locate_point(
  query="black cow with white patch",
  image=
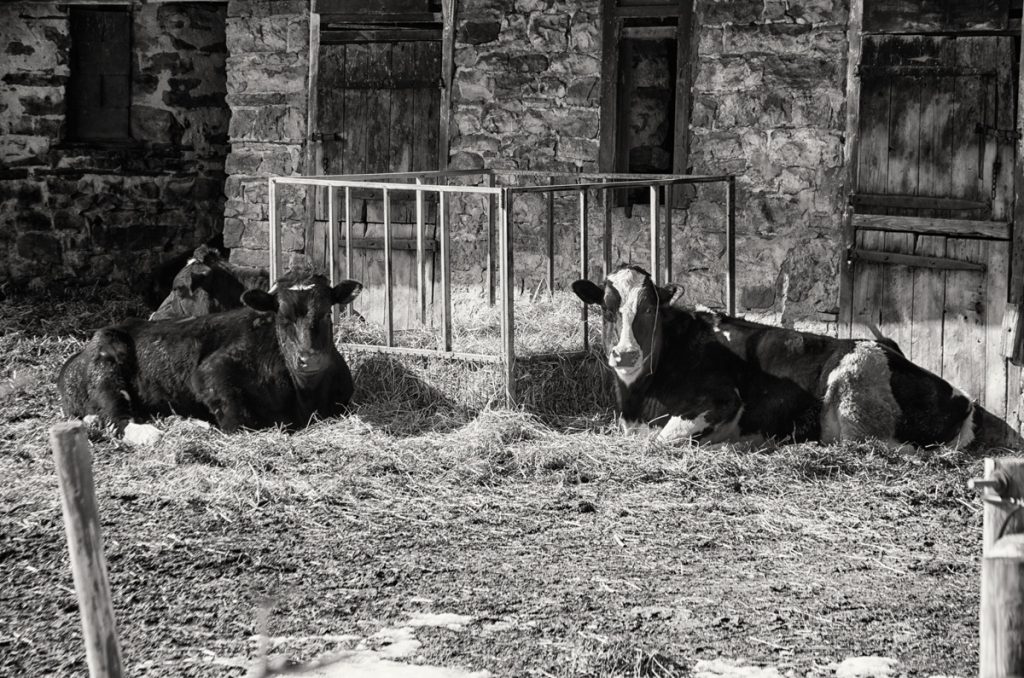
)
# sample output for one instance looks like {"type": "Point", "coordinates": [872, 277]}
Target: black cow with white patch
{"type": "Point", "coordinates": [272, 362]}
{"type": "Point", "coordinates": [710, 377]}
{"type": "Point", "coordinates": [208, 284]}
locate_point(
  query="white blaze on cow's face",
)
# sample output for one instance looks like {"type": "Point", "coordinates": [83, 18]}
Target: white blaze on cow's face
{"type": "Point", "coordinates": [629, 305]}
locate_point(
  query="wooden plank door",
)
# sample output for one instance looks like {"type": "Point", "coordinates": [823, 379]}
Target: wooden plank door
{"type": "Point", "coordinates": [378, 110]}
{"type": "Point", "coordinates": [932, 203]}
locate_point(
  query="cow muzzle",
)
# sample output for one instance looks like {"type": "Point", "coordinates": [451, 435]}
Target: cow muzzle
{"type": "Point", "coordinates": [624, 358]}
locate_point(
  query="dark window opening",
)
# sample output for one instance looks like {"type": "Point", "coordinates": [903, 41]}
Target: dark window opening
{"type": "Point", "coordinates": [645, 91]}
{"type": "Point", "coordinates": [99, 88]}
{"type": "Point", "coordinates": [647, 97]}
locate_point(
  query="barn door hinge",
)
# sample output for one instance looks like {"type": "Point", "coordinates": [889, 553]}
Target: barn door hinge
{"type": "Point", "coordinates": [992, 132]}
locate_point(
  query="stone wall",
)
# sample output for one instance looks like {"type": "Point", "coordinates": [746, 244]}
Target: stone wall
{"type": "Point", "coordinates": [268, 73]}
{"type": "Point", "coordinates": [101, 212]}
{"type": "Point", "coordinates": [768, 99]}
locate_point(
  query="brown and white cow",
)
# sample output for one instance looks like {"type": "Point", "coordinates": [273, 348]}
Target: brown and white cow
{"type": "Point", "coordinates": [701, 375]}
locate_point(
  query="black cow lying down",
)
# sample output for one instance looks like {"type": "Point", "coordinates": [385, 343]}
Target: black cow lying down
{"type": "Point", "coordinates": [273, 362]}
{"type": "Point", "coordinates": [711, 377]}
{"type": "Point", "coordinates": [208, 284]}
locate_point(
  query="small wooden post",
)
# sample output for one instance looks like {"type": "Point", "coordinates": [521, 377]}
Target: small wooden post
{"type": "Point", "coordinates": [85, 544]}
{"type": "Point", "coordinates": [1002, 609]}
{"type": "Point", "coordinates": [1005, 477]}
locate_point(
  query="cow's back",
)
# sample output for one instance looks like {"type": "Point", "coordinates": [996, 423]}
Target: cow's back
{"type": "Point", "coordinates": [933, 411]}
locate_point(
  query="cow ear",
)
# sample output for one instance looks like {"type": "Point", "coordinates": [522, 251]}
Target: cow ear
{"type": "Point", "coordinates": [261, 301]}
{"type": "Point", "coordinates": [346, 291]}
{"type": "Point", "coordinates": [588, 292]}
{"type": "Point", "coordinates": [671, 294]}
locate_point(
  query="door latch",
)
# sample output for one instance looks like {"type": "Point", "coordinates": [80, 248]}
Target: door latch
{"type": "Point", "coordinates": [991, 132]}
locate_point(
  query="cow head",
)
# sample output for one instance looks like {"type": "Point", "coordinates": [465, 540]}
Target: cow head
{"type": "Point", "coordinates": [202, 287]}
{"type": "Point", "coordinates": [633, 319]}
{"type": "Point", "coordinates": [302, 315]}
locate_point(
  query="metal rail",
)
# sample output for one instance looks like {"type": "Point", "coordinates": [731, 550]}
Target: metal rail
{"type": "Point", "coordinates": [500, 230]}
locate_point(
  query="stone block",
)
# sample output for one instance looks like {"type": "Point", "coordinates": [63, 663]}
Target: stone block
{"type": "Point", "coordinates": [266, 8]}
{"type": "Point", "coordinates": [233, 229]}
{"type": "Point", "coordinates": [275, 73]}
{"type": "Point", "coordinates": [728, 74]}
{"type": "Point", "coordinates": [478, 31]}
{"type": "Point", "coordinates": [725, 12]}
{"type": "Point", "coordinates": [242, 256]}
{"type": "Point", "coordinates": [528, 63]}
{"type": "Point", "coordinates": [584, 92]}
{"type": "Point", "coordinates": [43, 248]}
{"type": "Point", "coordinates": [579, 150]}
{"type": "Point", "coordinates": [579, 65]}
{"type": "Point", "coordinates": [548, 32]}
{"type": "Point", "coordinates": [585, 34]}
{"type": "Point", "coordinates": [473, 85]}
{"type": "Point", "coordinates": [267, 123]}
{"type": "Point", "coordinates": [463, 160]}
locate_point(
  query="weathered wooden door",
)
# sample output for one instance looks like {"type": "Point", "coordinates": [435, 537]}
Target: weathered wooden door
{"type": "Point", "coordinates": [933, 203]}
{"type": "Point", "coordinates": [378, 106]}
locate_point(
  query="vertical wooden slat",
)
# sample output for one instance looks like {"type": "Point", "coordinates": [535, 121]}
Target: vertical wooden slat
{"type": "Point", "coordinates": [963, 339]}
{"type": "Point", "coordinates": [275, 231]}
{"type": "Point", "coordinates": [551, 239]}
{"type": "Point", "coordinates": [505, 226]}
{"type": "Point", "coordinates": [896, 293]}
{"type": "Point", "coordinates": [448, 8]}
{"type": "Point", "coordinates": [349, 273]}
{"type": "Point", "coordinates": [925, 346]}
{"type": "Point", "coordinates": [490, 242]}
{"type": "Point", "coordinates": [389, 306]}
{"type": "Point", "coordinates": [313, 151]}
{"type": "Point", "coordinates": [655, 236]}
{"type": "Point", "coordinates": [606, 201]}
{"type": "Point", "coordinates": [850, 158]}
{"type": "Point", "coordinates": [1017, 259]}
{"type": "Point", "coordinates": [667, 276]}
{"type": "Point", "coordinates": [584, 260]}
{"type": "Point", "coordinates": [867, 287]}
{"type": "Point", "coordinates": [730, 245]}
{"type": "Point", "coordinates": [685, 47]}
{"type": "Point", "coordinates": [332, 244]}
{"type": "Point", "coordinates": [73, 462]}
{"type": "Point", "coordinates": [936, 132]}
{"type": "Point", "coordinates": [446, 279]}
{"type": "Point", "coordinates": [997, 258]}
{"type": "Point", "coordinates": [610, 29]}
{"type": "Point", "coordinates": [421, 290]}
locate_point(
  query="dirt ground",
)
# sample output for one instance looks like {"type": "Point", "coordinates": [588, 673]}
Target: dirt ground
{"type": "Point", "coordinates": [562, 548]}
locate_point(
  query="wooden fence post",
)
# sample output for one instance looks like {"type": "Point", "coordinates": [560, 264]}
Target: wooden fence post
{"type": "Point", "coordinates": [73, 458]}
{"type": "Point", "coordinates": [1001, 629]}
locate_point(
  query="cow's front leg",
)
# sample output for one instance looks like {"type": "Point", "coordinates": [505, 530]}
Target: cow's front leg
{"type": "Point", "coordinates": [214, 385]}
{"type": "Point", "coordinates": [715, 420]}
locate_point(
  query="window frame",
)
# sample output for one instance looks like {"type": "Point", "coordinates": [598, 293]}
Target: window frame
{"type": "Point", "coordinates": [612, 157]}
{"type": "Point", "coordinates": [72, 136]}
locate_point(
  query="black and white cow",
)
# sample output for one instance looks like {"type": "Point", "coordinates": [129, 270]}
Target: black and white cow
{"type": "Point", "coordinates": [273, 362]}
{"type": "Point", "coordinates": [711, 377]}
{"type": "Point", "coordinates": [208, 284]}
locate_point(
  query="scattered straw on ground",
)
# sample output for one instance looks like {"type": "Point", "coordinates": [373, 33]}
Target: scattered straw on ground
{"type": "Point", "coordinates": [574, 550]}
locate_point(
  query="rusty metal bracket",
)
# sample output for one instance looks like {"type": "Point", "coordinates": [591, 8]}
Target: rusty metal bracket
{"type": "Point", "coordinates": [1008, 136]}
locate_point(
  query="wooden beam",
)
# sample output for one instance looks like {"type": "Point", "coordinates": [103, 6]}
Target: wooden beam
{"type": "Point", "coordinates": [915, 202]}
{"type": "Point", "coordinates": [685, 58]}
{"type": "Point", "coordinates": [649, 11]}
{"type": "Point", "coordinates": [650, 32]}
{"type": "Point", "coordinates": [343, 36]}
{"type": "Point", "coordinates": [313, 149]}
{"type": "Point", "coordinates": [915, 260]}
{"type": "Point", "coordinates": [610, 30]}
{"type": "Point", "coordinates": [448, 8]}
{"type": "Point", "coordinates": [343, 19]}
{"type": "Point", "coordinates": [1017, 246]}
{"type": "Point", "coordinates": [957, 228]}
{"type": "Point", "coordinates": [72, 457]}
{"type": "Point", "coordinates": [429, 244]}
{"type": "Point", "coordinates": [850, 150]}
